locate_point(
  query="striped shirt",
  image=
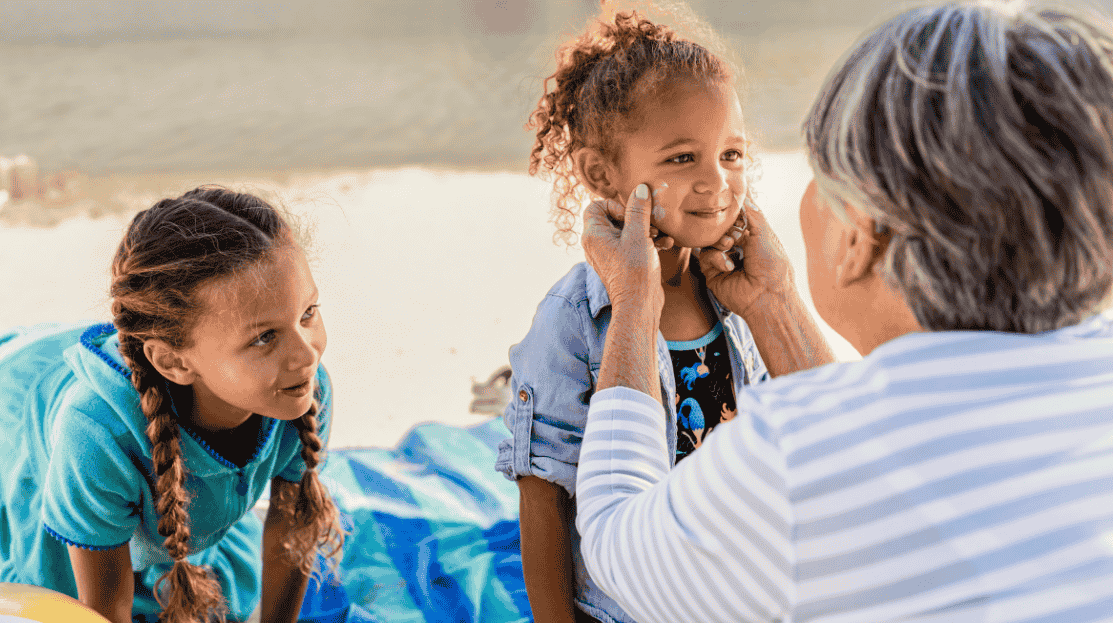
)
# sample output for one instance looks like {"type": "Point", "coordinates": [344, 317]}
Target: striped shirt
{"type": "Point", "coordinates": [950, 476]}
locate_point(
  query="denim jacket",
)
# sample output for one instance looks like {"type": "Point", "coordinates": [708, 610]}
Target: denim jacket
{"type": "Point", "coordinates": [555, 370]}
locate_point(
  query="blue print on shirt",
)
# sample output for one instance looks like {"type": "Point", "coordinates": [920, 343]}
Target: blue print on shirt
{"type": "Point", "coordinates": [691, 373]}
{"type": "Point", "coordinates": [691, 419]}
{"type": "Point", "coordinates": [704, 388]}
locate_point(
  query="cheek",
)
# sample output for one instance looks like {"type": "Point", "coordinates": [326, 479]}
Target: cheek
{"type": "Point", "coordinates": [667, 197]}
{"type": "Point", "coordinates": [813, 246]}
{"type": "Point", "coordinates": [736, 181]}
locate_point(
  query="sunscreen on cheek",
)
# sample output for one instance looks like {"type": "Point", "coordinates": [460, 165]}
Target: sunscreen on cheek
{"type": "Point", "coordinates": [665, 201]}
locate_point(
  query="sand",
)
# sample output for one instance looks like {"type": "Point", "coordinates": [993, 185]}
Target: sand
{"type": "Point", "coordinates": [427, 277]}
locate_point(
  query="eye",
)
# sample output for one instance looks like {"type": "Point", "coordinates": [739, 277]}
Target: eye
{"type": "Point", "coordinates": [264, 338]}
{"type": "Point", "coordinates": [310, 312]}
{"type": "Point", "coordinates": [682, 159]}
{"type": "Point", "coordinates": [732, 155]}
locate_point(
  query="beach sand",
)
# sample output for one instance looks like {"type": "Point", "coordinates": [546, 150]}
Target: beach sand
{"type": "Point", "coordinates": [385, 127]}
{"type": "Point", "coordinates": [427, 277]}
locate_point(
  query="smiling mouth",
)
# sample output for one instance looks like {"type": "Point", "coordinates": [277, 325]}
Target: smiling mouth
{"type": "Point", "coordinates": [300, 389]}
{"type": "Point", "coordinates": [707, 213]}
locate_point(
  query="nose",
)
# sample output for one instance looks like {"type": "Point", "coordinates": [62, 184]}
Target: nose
{"type": "Point", "coordinates": [712, 179]}
{"type": "Point", "coordinates": [304, 351]}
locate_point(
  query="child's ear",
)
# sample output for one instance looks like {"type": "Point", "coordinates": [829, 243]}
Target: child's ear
{"type": "Point", "coordinates": [596, 172]}
{"type": "Point", "coordinates": [168, 362]}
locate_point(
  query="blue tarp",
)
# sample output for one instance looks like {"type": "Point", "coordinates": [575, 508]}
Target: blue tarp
{"type": "Point", "coordinates": [433, 531]}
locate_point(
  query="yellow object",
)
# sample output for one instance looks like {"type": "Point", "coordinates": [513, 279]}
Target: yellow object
{"type": "Point", "coordinates": [21, 603]}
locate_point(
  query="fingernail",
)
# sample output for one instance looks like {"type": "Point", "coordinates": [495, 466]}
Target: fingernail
{"type": "Point", "coordinates": [730, 264]}
{"type": "Point", "coordinates": [642, 191]}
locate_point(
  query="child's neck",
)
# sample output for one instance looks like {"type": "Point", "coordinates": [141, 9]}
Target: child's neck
{"type": "Point", "coordinates": [676, 269]}
{"type": "Point", "coordinates": [687, 313]}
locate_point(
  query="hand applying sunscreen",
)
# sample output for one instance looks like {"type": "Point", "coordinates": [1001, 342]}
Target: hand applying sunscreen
{"type": "Point", "coordinates": [661, 240]}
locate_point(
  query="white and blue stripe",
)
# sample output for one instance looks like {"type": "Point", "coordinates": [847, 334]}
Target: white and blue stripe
{"type": "Point", "coordinates": [953, 476]}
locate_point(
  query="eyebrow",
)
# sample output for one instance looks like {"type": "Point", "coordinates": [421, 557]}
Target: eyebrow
{"type": "Point", "coordinates": [737, 138]}
{"type": "Point", "coordinates": [256, 326]}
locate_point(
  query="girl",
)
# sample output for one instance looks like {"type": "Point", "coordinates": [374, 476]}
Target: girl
{"type": "Point", "coordinates": [141, 445]}
{"type": "Point", "coordinates": [689, 143]}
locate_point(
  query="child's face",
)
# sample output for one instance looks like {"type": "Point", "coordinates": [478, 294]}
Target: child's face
{"type": "Point", "coordinates": [692, 138]}
{"type": "Point", "coordinates": [257, 346]}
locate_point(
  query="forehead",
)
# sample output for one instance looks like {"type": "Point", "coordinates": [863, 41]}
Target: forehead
{"type": "Point", "coordinates": [269, 288]}
{"type": "Point", "coordinates": [689, 109]}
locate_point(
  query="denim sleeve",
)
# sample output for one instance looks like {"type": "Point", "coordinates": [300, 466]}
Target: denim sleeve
{"type": "Point", "coordinates": [552, 387]}
{"type": "Point", "coordinates": [756, 370]}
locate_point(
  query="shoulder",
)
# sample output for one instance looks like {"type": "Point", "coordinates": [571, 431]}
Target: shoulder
{"type": "Point", "coordinates": [83, 416]}
{"type": "Point", "coordinates": [580, 292]}
{"type": "Point", "coordinates": [569, 319]}
{"type": "Point", "coordinates": [324, 383]}
{"type": "Point", "coordinates": [790, 402]}
{"type": "Point", "coordinates": [579, 287]}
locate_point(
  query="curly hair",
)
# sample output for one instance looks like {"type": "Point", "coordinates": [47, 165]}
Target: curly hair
{"type": "Point", "coordinates": [981, 135]}
{"type": "Point", "coordinates": [592, 96]}
{"type": "Point", "coordinates": [168, 252]}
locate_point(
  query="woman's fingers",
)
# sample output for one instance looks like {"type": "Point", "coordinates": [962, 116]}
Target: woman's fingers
{"type": "Point", "coordinates": [717, 260]}
{"type": "Point", "coordinates": [734, 234]}
{"type": "Point", "coordinates": [637, 212]}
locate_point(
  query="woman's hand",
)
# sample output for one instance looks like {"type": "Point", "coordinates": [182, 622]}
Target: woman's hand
{"type": "Point", "coordinates": [766, 269]}
{"type": "Point", "coordinates": [618, 245]}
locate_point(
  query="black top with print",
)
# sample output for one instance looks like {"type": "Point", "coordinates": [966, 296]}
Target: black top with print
{"type": "Point", "coordinates": [704, 388]}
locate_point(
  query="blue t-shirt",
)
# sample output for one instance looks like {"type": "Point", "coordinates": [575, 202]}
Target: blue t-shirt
{"type": "Point", "coordinates": [84, 473]}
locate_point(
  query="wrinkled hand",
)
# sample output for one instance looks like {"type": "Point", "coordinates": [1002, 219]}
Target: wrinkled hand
{"type": "Point", "coordinates": [765, 269]}
{"type": "Point", "coordinates": [618, 244]}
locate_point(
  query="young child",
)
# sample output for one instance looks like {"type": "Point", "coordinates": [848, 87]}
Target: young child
{"type": "Point", "coordinates": [141, 446]}
{"type": "Point", "coordinates": [630, 102]}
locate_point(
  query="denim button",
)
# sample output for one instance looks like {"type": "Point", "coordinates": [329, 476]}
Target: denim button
{"type": "Point", "coordinates": [523, 396]}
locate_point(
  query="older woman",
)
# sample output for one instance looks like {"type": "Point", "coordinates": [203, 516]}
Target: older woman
{"type": "Point", "coordinates": [959, 233]}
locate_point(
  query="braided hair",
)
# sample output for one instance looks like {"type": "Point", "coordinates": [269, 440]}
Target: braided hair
{"type": "Point", "coordinates": [592, 96]}
{"type": "Point", "coordinates": [168, 252]}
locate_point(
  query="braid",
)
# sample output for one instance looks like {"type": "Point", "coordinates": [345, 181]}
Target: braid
{"type": "Point", "coordinates": [314, 517]}
{"type": "Point", "coordinates": [193, 594]}
{"type": "Point", "coordinates": [168, 253]}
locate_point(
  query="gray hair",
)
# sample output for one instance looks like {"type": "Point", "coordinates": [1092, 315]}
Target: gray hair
{"type": "Point", "coordinates": [981, 135]}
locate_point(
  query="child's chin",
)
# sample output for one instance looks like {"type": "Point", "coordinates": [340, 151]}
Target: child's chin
{"type": "Point", "coordinates": [696, 241]}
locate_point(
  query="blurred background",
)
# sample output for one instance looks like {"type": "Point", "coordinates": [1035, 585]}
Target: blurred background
{"type": "Point", "coordinates": [393, 131]}
{"type": "Point", "coordinates": [183, 85]}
